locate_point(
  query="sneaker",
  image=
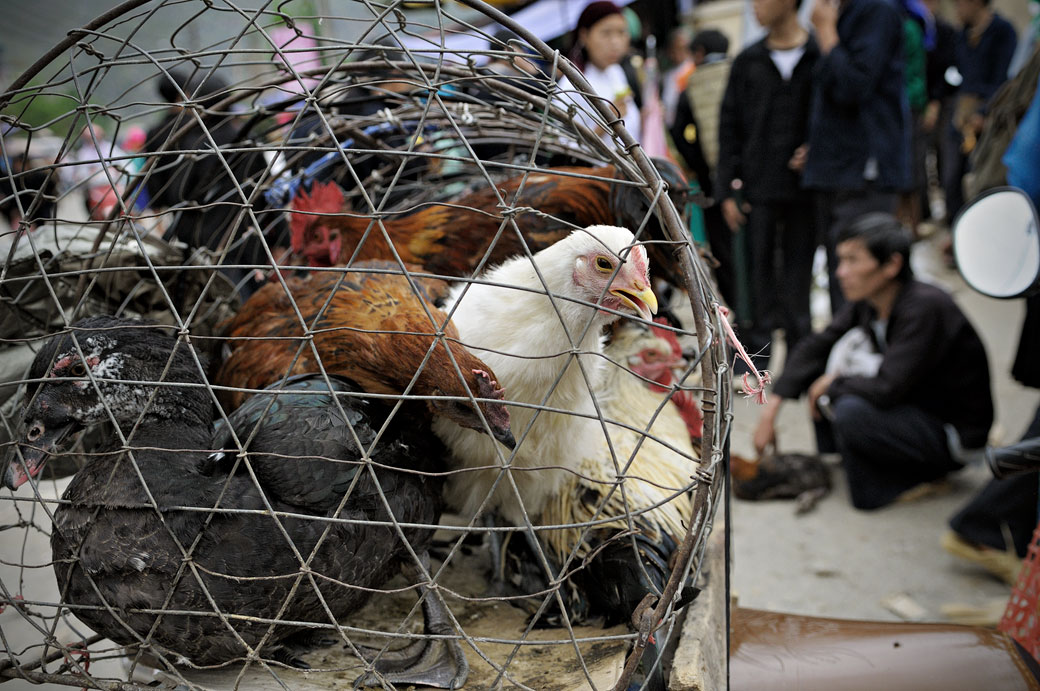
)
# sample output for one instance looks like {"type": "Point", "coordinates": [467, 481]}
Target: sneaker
{"type": "Point", "coordinates": [926, 490]}
{"type": "Point", "coordinates": [1005, 565]}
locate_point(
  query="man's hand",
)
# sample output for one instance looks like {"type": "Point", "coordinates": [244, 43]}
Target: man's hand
{"type": "Point", "coordinates": [825, 21]}
{"type": "Point", "coordinates": [765, 431]}
{"type": "Point", "coordinates": [734, 216]}
{"type": "Point", "coordinates": [798, 158]}
{"type": "Point", "coordinates": [930, 118]}
{"type": "Point", "coordinates": [817, 389]}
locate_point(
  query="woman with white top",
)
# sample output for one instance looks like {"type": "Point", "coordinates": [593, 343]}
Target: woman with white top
{"type": "Point", "coordinates": [601, 41]}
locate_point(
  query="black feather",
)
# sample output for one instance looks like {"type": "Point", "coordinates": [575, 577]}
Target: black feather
{"type": "Point", "coordinates": [116, 554]}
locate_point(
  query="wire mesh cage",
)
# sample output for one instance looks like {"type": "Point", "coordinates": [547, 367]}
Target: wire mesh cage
{"type": "Point", "coordinates": [329, 355]}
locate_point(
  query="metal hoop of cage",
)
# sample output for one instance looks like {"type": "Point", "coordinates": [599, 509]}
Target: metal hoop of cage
{"type": "Point", "coordinates": [296, 391]}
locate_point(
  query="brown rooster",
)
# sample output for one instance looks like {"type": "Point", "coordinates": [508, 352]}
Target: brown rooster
{"type": "Point", "coordinates": [371, 327]}
{"type": "Point", "coordinates": [451, 238]}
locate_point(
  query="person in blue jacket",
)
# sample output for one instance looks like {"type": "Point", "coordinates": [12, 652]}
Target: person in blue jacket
{"type": "Point", "coordinates": [859, 133]}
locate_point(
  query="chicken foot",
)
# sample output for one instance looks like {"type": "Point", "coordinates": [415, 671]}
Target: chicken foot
{"type": "Point", "coordinates": [440, 662]}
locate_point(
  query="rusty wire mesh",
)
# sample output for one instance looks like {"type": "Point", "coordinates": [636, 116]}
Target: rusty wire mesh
{"type": "Point", "coordinates": [406, 110]}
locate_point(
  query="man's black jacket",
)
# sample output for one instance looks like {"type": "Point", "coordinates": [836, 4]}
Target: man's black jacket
{"type": "Point", "coordinates": [762, 121]}
{"type": "Point", "coordinates": [860, 110]}
{"type": "Point", "coordinates": [933, 359]}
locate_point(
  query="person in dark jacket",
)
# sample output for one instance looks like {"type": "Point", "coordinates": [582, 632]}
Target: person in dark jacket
{"type": "Point", "coordinates": [763, 133]}
{"type": "Point", "coordinates": [859, 134]}
{"type": "Point", "coordinates": [909, 405]}
{"type": "Point", "coordinates": [983, 50]}
{"type": "Point", "coordinates": [940, 57]}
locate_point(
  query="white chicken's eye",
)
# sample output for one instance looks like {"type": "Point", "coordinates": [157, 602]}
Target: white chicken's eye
{"type": "Point", "coordinates": [78, 370]}
{"type": "Point", "coordinates": [603, 264]}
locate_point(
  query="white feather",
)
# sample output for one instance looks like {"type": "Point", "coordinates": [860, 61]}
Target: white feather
{"type": "Point", "coordinates": [528, 339]}
{"type": "Point", "coordinates": [654, 472]}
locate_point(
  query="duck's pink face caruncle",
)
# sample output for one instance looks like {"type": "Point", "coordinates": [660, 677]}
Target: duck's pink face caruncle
{"type": "Point", "coordinates": [58, 408]}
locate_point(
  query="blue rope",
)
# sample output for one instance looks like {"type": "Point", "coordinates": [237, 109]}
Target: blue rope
{"type": "Point", "coordinates": [285, 188]}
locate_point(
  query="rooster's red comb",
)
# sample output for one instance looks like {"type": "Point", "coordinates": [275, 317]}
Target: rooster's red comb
{"type": "Point", "coordinates": [323, 198]}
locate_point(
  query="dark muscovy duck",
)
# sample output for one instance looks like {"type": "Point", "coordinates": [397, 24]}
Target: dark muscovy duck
{"type": "Point", "coordinates": [119, 543]}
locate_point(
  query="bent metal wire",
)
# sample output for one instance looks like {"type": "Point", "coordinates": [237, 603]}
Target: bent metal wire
{"type": "Point", "coordinates": [84, 240]}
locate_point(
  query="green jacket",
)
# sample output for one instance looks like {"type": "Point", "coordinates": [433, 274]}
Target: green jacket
{"type": "Point", "coordinates": [914, 67]}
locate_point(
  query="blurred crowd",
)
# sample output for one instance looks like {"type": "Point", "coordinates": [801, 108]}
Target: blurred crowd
{"type": "Point", "coordinates": [839, 108]}
{"type": "Point", "coordinates": [870, 105]}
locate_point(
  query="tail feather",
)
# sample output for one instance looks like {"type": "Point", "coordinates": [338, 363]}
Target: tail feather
{"type": "Point", "coordinates": [616, 579]}
{"type": "Point", "coordinates": [609, 585]}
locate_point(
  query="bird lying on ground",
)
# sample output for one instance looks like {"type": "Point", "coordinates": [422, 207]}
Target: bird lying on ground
{"type": "Point", "coordinates": [452, 238]}
{"type": "Point", "coordinates": [132, 514]}
{"type": "Point", "coordinates": [802, 477]}
{"type": "Point", "coordinates": [372, 328]}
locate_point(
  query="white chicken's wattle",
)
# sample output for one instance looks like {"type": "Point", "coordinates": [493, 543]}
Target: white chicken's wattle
{"type": "Point", "coordinates": [539, 325]}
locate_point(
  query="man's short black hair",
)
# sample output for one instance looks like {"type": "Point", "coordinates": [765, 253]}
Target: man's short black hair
{"type": "Point", "coordinates": [710, 41]}
{"type": "Point", "coordinates": [883, 236]}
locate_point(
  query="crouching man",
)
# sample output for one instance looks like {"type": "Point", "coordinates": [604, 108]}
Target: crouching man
{"type": "Point", "coordinates": [898, 383]}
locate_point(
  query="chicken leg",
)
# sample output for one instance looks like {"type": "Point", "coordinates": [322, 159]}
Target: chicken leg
{"type": "Point", "coordinates": [440, 662]}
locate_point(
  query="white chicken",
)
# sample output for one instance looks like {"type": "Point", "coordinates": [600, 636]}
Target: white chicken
{"type": "Point", "coordinates": [538, 323]}
{"type": "Point", "coordinates": [651, 441]}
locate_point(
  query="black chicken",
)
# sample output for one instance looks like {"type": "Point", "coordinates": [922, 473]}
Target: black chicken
{"type": "Point", "coordinates": [204, 170]}
{"type": "Point", "coordinates": [122, 532]}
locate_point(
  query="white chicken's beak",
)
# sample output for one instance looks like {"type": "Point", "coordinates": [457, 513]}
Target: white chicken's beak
{"type": "Point", "coordinates": [639, 297]}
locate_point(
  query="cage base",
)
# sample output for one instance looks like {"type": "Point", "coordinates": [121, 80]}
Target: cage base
{"type": "Point", "coordinates": [550, 665]}
{"type": "Point", "coordinates": [700, 662]}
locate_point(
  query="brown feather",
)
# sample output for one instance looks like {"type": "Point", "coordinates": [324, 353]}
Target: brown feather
{"type": "Point", "coordinates": [452, 238]}
{"type": "Point", "coordinates": [369, 327]}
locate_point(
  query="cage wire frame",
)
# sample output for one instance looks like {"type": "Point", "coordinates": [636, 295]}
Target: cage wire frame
{"type": "Point", "coordinates": [61, 264]}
